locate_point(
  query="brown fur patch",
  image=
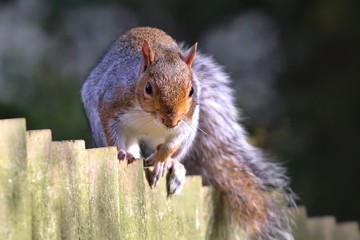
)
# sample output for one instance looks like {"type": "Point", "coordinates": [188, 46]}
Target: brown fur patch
{"type": "Point", "coordinates": [152, 35]}
{"type": "Point", "coordinates": [109, 110]}
{"type": "Point", "coordinates": [165, 152]}
{"type": "Point", "coordinates": [250, 210]}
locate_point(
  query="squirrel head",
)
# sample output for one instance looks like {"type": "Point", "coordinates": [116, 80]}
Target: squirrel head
{"type": "Point", "coordinates": [166, 88]}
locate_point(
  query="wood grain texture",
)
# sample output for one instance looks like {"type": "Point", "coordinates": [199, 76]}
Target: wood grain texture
{"type": "Point", "coordinates": [40, 184]}
{"type": "Point", "coordinates": [104, 193]}
{"type": "Point", "coordinates": [15, 217]}
{"type": "Point", "coordinates": [60, 190]}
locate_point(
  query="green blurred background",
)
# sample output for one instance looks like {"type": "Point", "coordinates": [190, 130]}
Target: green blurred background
{"type": "Point", "coordinates": [295, 65]}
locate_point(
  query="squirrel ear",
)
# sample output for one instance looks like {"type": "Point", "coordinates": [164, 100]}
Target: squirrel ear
{"type": "Point", "coordinates": [190, 55]}
{"type": "Point", "coordinates": [148, 54]}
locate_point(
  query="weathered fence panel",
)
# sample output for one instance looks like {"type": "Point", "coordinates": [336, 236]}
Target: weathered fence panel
{"type": "Point", "coordinates": [189, 217]}
{"type": "Point", "coordinates": [60, 190]}
{"type": "Point", "coordinates": [104, 194]}
{"type": "Point", "coordinates": [322, 228]}
{"type": "Point", "coordinates": [72, 188]}
{"type": "Point", "coordinates": [300, 228]}
{"type": "Point", "coordinates": [348, 231]}
{"type": "Point", "coordinates": [132, 200]}
{"type": "Point", "coordinates": [40, 184]}
{"type": "Point", "coordinates": [161, 224]}
{"type": "Point", "coordinates": [15, 209]}
{"type": "Point", "coordinates": [63, 191]}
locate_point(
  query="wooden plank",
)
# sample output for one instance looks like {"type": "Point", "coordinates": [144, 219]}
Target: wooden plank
{"type": "Point", "coordinates": [15, 217]}
{"type": "Point", "coordinates": [219, 224]}
{"type": "Point", "coordinates": [40, 185]}
{"type": "Point", "coordinates": [160, 213]}
{"type": "Point", "coordinates": [71, 190]}
{"type": "Point", "coordinates": [188, 209]}
{"type": "Point", "coordinates": [104, 194]}
{"type": "Point", "coordinates": [153, 213]}
{"type": "Point", "coordinates": [132, 201]}
{"type": "Point", "coordinates": [347, 231]}
{"type": "Point", "coordinates": [300, 228]}
{"type": "Point", "coordinates": [322, 227]}
{"type": "Point", "coordinates": [206, 192]}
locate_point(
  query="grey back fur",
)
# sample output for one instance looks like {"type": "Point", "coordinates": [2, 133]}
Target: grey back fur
{"type": "Point", "coordinates": [226, 140]}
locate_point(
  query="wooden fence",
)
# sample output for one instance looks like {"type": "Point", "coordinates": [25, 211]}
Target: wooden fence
{"type": "Point", "coordinates": [60, 190]}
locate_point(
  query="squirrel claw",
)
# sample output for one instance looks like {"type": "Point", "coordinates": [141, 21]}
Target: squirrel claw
{"type": "Point", "coordinates": [159, 172]}
{"type": "Point", "coordinates": [160, 169]}
{"type": "Point", "coordinates": [123, 155]}
{"type": "Point", "coordinates": [130, 158]}
{"type": "Point", "coordinates": [155, 182]}
{"type": "Point", "coordinates": [150, 160]}
{"type": "Point", "coordinates": [175, 179]}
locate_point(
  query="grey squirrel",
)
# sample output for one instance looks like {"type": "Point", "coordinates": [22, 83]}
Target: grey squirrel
{"type": "Point", "coordinates": [149, 95]}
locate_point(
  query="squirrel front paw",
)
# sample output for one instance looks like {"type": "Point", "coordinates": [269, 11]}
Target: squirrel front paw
{"type": "Point", "coordinates": [123, 155]}
{"type": "Point", "coordinates": [175, 179]}
{"type": "Point", "coordinates": [160, 168]}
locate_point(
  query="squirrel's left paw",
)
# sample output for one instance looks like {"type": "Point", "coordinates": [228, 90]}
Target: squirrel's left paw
{"type": "Point", "coordinates": [123, 155]}
{"type": "Point", "coordinates": [160, 169]}
{"type": "Point", "coordinates": [175, 179]}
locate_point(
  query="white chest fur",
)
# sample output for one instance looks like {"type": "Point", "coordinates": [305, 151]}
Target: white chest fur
{"type": "Point", "coordinates": [135, 125]}
{"type": "Point", "coordinates": [140, 124]}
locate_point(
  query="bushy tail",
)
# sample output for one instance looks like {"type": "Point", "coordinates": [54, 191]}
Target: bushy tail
{"type": "Point", "coordinates": [251, 191]}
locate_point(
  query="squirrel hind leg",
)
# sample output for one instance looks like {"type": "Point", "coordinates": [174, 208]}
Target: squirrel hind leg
{"type": "Point", "coordinates": [175, 178]}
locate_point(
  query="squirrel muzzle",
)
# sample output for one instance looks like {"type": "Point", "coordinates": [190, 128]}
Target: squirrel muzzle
{"type": "Point", "coordinates": [170, 120]}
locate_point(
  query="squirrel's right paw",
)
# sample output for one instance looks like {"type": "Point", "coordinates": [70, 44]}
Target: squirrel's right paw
{"type": "Point", "coordinates": [175, 179]}
{"type": "Point", "coordinates": [123, 155]}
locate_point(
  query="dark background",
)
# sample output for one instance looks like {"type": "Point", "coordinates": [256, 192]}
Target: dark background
{"type": "Point", "coordinates": [295, 65]}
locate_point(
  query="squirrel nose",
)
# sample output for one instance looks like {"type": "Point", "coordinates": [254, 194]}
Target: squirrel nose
{"type": "Point", "coordinates": [170, 122]}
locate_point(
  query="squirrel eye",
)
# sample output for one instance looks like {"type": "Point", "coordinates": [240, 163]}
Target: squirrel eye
{"type": "Point", "coordinates": [148, 88]}
{"type": "Point", "coordinates": [191, 91]}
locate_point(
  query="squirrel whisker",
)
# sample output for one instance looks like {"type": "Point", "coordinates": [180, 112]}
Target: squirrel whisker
{"type": "Point", "coordinates": [192, 128]}
{"type": "Point", "coordinates": [135, 117]}
{"type": "Point", "coordinates": [186, 124]}
{"type": "Point", "coordinates": [146, 125]}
